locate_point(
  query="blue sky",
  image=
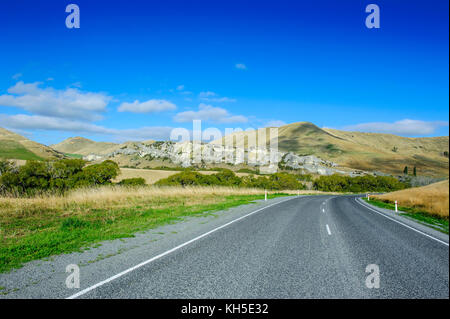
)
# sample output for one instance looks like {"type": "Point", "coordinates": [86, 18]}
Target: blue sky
{"type": "Point", "coordinates": [136, 69]}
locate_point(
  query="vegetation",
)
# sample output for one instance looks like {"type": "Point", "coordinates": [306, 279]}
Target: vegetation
{"type": "Point", "coordinates": [42, 176]}
{"type": "Point", "coordinates": [42, 226]}
{"type": "Point", "coordinates": [135, 181]}
{"type": "Point", "coordinates": [434, 221]}
{"type": "Point", "coordinates": [358, 184]}
{"type": "Point", "coordinates": [14, 150]}
{"type": "Point", "coordinates": [226, 177]}
{"type": "Point", "coordinates": [432, 199]}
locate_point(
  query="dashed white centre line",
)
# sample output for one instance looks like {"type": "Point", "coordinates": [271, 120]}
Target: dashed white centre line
{"type": "Point", "coordinates": [323, 210]}
{"type": "Point", "coordinates": [328, 230]}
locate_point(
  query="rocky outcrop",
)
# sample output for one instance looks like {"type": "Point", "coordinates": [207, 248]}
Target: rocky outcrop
{"type": "Point", "coordinates": [195, 154]}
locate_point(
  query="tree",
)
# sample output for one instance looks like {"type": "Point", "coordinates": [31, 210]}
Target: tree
{"type": "Point", "coordinates": [405, 170]}
{"type": "Point", "coordinates": [415, 171]}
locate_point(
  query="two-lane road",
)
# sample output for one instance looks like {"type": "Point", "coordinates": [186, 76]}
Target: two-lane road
{"type": "Point", "coordinates": [305, 247]}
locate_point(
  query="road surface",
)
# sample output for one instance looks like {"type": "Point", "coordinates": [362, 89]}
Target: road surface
{"type": "Point", "coordinates": [297, 247]}
{"type": "Point", "coordinates": [313, 247]}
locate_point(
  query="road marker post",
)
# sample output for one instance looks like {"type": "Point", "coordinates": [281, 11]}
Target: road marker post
{"type": "Point", "coordinates": [368, 197]}
{"type": "Point", "coordinates": [396, 207]}
{"type": "Point", "coordinates": [265, 194]}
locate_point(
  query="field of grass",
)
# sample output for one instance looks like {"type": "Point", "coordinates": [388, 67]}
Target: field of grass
{"type": "Point", "coordinates": [39, 227]}
{"type": "Point", "coordinates": [433, 221]}
{"type": "Point", "coordinates": [429, 204]}
{"type": "Point", "coordinates": [78, 156]}
{"type": "Point", "coordinates": [433, 198]}
{"type": "Point", "coordinates": [14, 150]}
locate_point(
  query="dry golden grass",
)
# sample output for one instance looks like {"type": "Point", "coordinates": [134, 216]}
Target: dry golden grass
{"type": "Point", "coordinates": [433, 198]}
{"type": "Point", "coordinates": [117, 196]}
{"type": "Point", "coordinates": [81, 201]}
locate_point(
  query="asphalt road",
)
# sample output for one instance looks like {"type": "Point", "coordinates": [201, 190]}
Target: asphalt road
{"type": "Point", "coordinates": [305, 247]}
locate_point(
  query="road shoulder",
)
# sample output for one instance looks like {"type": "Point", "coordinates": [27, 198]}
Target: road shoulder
{"type": "Point", "coordinates": [406, 221]}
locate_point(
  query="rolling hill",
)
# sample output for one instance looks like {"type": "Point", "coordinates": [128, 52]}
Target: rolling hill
{"type": "Point", "coordinates": [84, 146]}
{"type": "Point", "coordinates": [366, 151]}
{"type": "Point", "coordinates": [15, 146]}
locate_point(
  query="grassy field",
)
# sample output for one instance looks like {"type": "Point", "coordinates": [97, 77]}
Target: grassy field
{"type": "Point", "coordinates": [429, 203]}
{"type": "Point", "coordinates": [433, 198]}
{"type": "Point", "coordinates": [35, 228]}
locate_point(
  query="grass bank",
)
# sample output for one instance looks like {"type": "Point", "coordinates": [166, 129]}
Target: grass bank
{"type": "Point", "coordinates": [435, 221]}
{"type": "Point", "coordinates": [39, 227]}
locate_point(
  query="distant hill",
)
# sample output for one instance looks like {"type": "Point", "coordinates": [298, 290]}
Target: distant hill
{"type": "Point", "coordinates": [15, 146]}
{"type": "Point", "coordinates": [84, 146]}
{"type": "Point", "coordinates": [366, 151]}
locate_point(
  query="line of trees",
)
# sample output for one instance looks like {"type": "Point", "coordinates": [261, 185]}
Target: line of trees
{"type": "Point", "coordinates": [358, 184]}
{"type": "Point", "coordinates": [226, 177]}
{"type": "Point", "coordinates": [59, 176]}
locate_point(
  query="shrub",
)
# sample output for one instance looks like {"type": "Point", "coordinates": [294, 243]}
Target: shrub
{"type": "Point", "coordinates": [56, 176]}
{"type": "Point", "coordinates": [368, 183]}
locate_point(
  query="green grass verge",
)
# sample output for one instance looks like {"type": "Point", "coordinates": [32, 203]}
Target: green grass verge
{"type": "Point", "coordinates": [433, 221]}
{"type": "Point", "coordinates": [52, 235]}
{"type": "Point", "coordinates": [14, 150]}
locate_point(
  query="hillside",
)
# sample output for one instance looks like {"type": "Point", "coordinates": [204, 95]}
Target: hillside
{"type": "Point", "coordinates": [83, 146]}
{"type": "Point", "coordinates": [365, 151]}
{"type": "Point", "coordinates": [15, 146]}
{"type": "Point", "coordinates": [433, 198]}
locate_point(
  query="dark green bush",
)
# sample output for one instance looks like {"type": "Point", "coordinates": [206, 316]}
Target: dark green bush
{"type": "Point", "coordinates": [226, 177]}
{"type": "Point", "coordinates": [56, 176]}
{"type": "Point", "coordinates": [359, 184]}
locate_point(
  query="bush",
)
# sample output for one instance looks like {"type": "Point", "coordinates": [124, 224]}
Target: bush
{"type": "Point", "coordinates": [56, 176]}
{"type": "Point", "coordinates": [136, 181]}
{"type": "Point", "coordinates": [359, 184]}
{"type": "Point", "coordinates": [227, 177]}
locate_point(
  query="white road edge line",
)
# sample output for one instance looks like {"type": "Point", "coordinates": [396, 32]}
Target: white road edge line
{"type": "Point", "coordinates": [399, 222]}
{"type": "Point", "coordinates": [328, 230]}
{"type": "Point", "coordinates": [84, 291]}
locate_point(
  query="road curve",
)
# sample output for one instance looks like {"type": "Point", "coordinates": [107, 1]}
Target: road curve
{"type": "Point", "coordinates": [306, 247]}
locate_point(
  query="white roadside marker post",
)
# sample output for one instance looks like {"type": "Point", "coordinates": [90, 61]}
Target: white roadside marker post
{"type": "Point", "coordinates": [368, 197]}
{"type": "Point", "coordinates": [396, 208]}
{"type": "Point", "coordinates": [265, 194]}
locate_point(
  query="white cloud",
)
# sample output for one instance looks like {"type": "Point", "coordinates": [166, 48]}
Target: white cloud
{"type": "Point", "coordinates": [241, 66]}
{"type": "Point", "coordinates": [149, 106]}
{"type": "Point", "coordinates": [209, 96]}
{"type": "Point", "coordinates": [69, 103]}
{"type": "Point", "coordinates": [211, 114]}
{"type": "Point", "coordinates": [180, 87]}
{"type": "Point", "coordinates": [206, 94]}
{"type": "Point", "coordinates": [275, 123]}
{"type": "Point", "coordinates": [403, 127]}
{"type": "Point", "coordinates": [218, 99]}
{"type": "Point", "coordinates": [37, 122]}
{"type": "Point", "coordinates": [17, 76]}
